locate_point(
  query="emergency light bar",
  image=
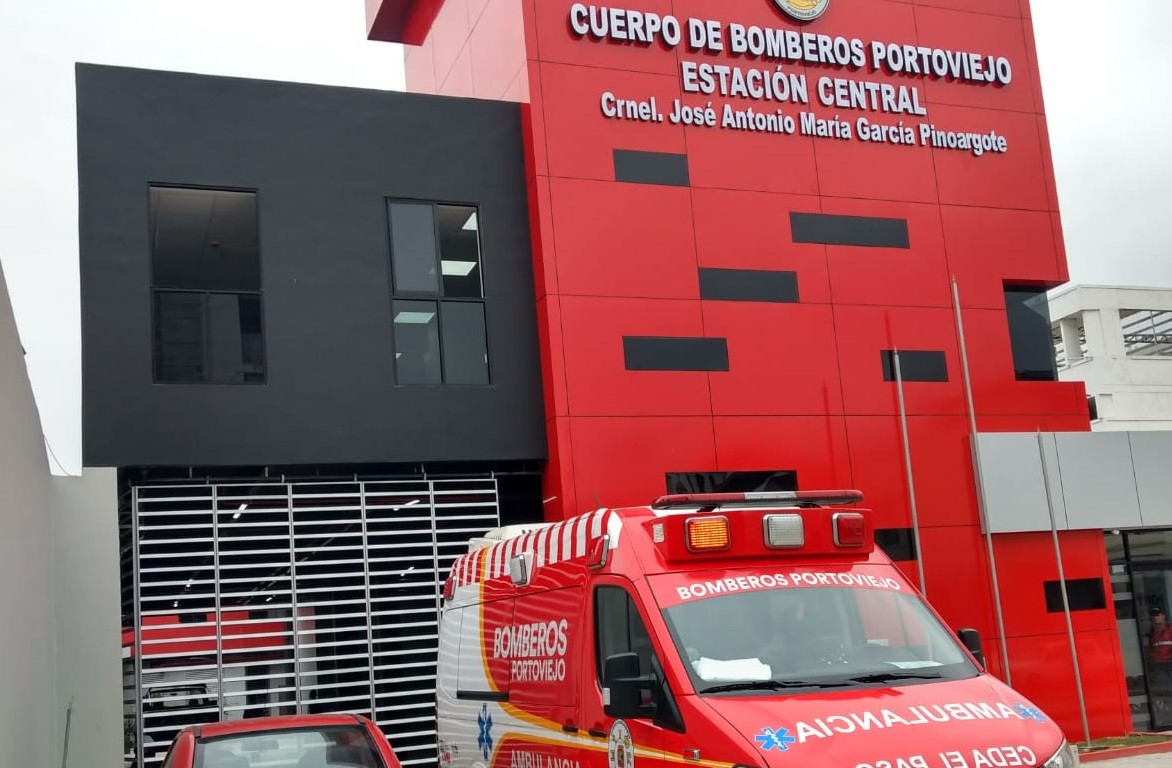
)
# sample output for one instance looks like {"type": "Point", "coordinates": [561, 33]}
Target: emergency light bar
{"type": "Point", "coordinates": [759, 499]}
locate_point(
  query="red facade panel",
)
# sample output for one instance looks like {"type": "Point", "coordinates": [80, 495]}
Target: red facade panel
{"type": "Point", "coordinates": [969, 29]}
{"type": "Point", "coordinates": [911, 277]}
{"type": "Point", "coordinates": [774, 369]}
{"type": "Point", "coordinates": [598, 381]}
{"type": "Point", "coordinates": [989, 246]}
{"type": "Point", "coordinates": [618, 458]}
{"type": "Point", "coordinates": [631, 240]}
{"type": "Point", "coordinates": [751, 230]}
{"type": "Point", "coordinates": [814, 446]}
{"type": "Point", "coordinates": [1041, 666]}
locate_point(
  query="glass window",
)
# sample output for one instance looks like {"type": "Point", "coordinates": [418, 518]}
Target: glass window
{"type": "Point", "coordinates": [413, 248]}
{"type": "Point", "coordinates": [179, 336]}
{"type": "Point", "coordinates": [208, 337]}
{"type": "Point", "coordinates": [824, 637]}
{"type": "Point", "coordinates": [205, 263]}
{"type": "Point", "coordinates": [464, 343]}
{"type": "Point", "coordinates": [435, 253]}
{"type": "Point", "coordinates": [620, 629]}
{"type": "Point", "coordinates": [204, 239]}
{"type": "Point", "coordinates": [459, 231]}
{"type": "Point", "coordinates": [1030, 334]}
{"type": "Point", "coordinates": [417, 342]}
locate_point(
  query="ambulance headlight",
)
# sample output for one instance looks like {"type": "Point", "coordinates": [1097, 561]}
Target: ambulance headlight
{"type": "Point", "coordinates": [1066, 757]}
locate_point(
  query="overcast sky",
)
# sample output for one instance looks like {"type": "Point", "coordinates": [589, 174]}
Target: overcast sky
{"type": "Point", "coordinates": [1105, 69]}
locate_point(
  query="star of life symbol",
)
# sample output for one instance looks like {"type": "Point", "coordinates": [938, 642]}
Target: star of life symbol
{"type": "Point", "coordinates": [1030, 713]}
{"type": "Point", "coordinates": [484, 740]}
{"type": "Point", "coordinates": [770, 739]}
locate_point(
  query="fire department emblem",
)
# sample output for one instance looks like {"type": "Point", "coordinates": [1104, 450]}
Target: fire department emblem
{"type": "Point", "coordinates": [620, 750]}
{"type": "Point", "coordinates": [803, 10]}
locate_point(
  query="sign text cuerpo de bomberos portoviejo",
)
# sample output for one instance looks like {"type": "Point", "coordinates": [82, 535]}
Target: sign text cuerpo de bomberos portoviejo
{"type": "Point", "coordinates": [751, 89]}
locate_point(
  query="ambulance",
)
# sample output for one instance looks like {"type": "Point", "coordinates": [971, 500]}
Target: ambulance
{"type": "Point", "coordinates": [755, 630]}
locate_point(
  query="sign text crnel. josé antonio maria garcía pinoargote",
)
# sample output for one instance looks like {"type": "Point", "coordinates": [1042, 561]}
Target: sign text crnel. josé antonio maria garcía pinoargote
{"type": "Point", "coordinates": [758, 93]}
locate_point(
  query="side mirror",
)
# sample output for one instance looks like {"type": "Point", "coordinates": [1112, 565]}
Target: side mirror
{"type": "Point", "coordinates": [972, 641]}
{"type": "Point", "coordinates": [622, 694]}
{"type": "Point", "coordinates": [521, 569]}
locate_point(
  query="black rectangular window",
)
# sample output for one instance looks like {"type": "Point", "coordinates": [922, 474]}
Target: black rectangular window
{"type": "Point", "coordinates": [748, 285]}
{"type": "Point", "coordinates": [866, 231]}
{"type": "Point", "coordinates": [1030, 336]}
{"type": "Point", "coordinates": [1084, 595]}
{"type": "Point", "coordinates": [915, 365]}
{"type": "Point", "coordinates": [732, 482]}
{"type": "Point", "coordinates": [438, 306]}
{"type": "Point", "coordinates": [897, 543]}
{"type": "Point", "coordinates": [652, 353]}
{"type": "Point", "coordinates": [664, 168]}
{"type": "Point", "coordinates": [206, 286]}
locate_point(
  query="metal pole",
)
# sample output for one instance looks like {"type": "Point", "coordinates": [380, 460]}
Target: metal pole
{"type": "Point", "coordinates": [907, 460]}
{"type": "Point", "coordinates": [982, 507]}
{"type": "Point", "coordinates": [139, 725]}
{"type": "Point", "coordinates": [219, 600]}
{"type": "Point", "coordinates": [68, 721]}
{"type": "Point", "coordinates": [1082, 704]}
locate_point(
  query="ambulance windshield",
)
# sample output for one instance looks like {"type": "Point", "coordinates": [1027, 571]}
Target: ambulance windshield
{"type": "Point", "coordinates": [820, 637]}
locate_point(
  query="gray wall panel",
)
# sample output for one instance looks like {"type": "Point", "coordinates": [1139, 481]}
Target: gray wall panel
{"type": "Point", "coordinates": [1151, 454]}
{"type": "Point", "coordinates": [323, 161]}
{"type": "Point", "coordinates": [1015, 494]}
{"type": "Point", "coordinates": [1098, 483]}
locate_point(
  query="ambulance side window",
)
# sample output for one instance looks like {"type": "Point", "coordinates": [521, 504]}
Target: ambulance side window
{"type": "Point", "coordinates": [619, 628]}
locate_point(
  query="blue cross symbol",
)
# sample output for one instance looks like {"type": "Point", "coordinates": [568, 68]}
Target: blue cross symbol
{"type": "Point", "coordinates": [484, 740]}
{"type": "Point", "coordinates": [1030, 713]}
{"type": "Point", "coordinates": [770, 739]}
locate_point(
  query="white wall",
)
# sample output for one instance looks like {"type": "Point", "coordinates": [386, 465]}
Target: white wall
{"type": "Point", "coordinates": [59, 591]}
{"type": "Point", "coordinates": [88, 609]}
{"type": "Point", "coordinates": [27, 637]}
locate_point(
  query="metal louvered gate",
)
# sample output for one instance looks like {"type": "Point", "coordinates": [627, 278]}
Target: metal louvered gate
{"type": "Point", "coordinates": [279, 598]}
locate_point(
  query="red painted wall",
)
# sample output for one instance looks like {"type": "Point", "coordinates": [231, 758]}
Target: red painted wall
{"type": "Point", "coordinates": [805, 388]}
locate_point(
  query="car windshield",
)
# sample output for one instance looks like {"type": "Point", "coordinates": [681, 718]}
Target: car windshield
{"type": "Point", "coordinates": [774, 640]}
{"type": "Point", "coordinates": [333, 747]}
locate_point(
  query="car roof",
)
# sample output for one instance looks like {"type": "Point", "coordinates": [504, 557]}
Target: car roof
{"type": "Point", "coordinates": [285, 723]}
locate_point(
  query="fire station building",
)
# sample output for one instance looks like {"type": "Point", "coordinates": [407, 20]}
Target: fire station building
{"type": "Point", "coordinates": [595, 254]}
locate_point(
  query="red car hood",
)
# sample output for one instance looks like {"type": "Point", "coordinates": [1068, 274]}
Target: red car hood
{"type": "Point", "coordinates": [975, 723]}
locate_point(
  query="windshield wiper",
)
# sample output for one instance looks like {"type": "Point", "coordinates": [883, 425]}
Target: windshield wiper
{"type": "Point", "coordinates": [885, 677]}
{"type": "Point", "coordinates": [769, 685]}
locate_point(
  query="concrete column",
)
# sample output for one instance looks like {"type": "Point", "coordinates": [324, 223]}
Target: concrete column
{"type": "Point", "coordinates": [1071, 338]}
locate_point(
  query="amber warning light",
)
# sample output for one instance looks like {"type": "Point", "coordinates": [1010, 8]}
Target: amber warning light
{"type": "Point", "coordinates": [708, 534]}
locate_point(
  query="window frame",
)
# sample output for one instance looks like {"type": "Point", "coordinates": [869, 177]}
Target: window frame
{"type": "Point", "coordinates": [437, 297]}
{"type": "Point", "coordinates": [205, 293]}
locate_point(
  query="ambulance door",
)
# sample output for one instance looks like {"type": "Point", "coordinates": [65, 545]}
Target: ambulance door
{"type": "Point", "coordinates": [546, 638]}
{"type": "Point", "coordinates": [620, 627]}
{"type": "Point", "coordinates": [480, 711]}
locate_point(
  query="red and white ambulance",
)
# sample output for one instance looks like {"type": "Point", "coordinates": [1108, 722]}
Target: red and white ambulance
{"type": "Point", "coordinates": [760, 630]}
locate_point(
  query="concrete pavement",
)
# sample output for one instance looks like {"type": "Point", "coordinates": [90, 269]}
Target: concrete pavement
{"type": "Point", "coordinates": [1139, 761]}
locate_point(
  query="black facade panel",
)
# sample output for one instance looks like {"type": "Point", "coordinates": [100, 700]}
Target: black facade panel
{"type": "Point", "coordinates": [849, 230]}
{"type": "Point", "coordinates": [323, 161]}
{"type": "Point", "coordinates": [651, 353]}
{"type": "Point", "coordinates": [1083, 595]}
{"type": "Point", "coordinates": [915, 365]}
{"type": "Point", "coordinates": [897, 543]}
{"type": "Point", "coordinates": [651, 168]}
{"type": "Point", "coordinates": [732, 482]}
{"type": "Point", "coordinates": [748, 285]}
